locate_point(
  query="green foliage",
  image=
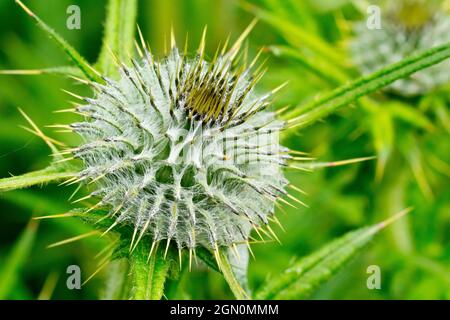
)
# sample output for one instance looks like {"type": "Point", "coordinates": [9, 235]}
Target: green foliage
{"type": "Point", "coordinates": [76, 58]}
{"type": "Point", "coordinates": [299, 37]}
{"type": "Point", "coordinates": [303, 277]}
{"type": "Point", "coordinates": [307, 42]}
{"type": "Point", "coordinates": [149, 274]}
{"type": "Point", "coordinates": [52, 173]}
{"type": "Point", "coordinates": [230, 277]}
{"type": "Point", "coordinates": [119, 34]}
{"type": "Point", "coordinates": [16, 260]}
{"type": "Point", "coordinates": [313, 111]}
{"type": "Point", "coordinates": [64, 71]}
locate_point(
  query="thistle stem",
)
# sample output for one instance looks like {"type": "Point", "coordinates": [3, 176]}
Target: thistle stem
{"type": "Point", "coordinates": [148, 274]}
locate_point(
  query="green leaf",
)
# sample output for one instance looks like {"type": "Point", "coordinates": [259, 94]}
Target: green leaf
{"type": "Point", "coordinates": [322, 69]}
{"type": "Point", "coordinates": [149, 275]}
{"type": "Point", "coordinates": [383, 133]}
{"type": "Point", "coordinates": [50, 174]}
{"type": "Point", "coordinates": [63, 70]}
{"type": "Point", "coordinates": [230, 277]}
{"type": "Point", "coordinates": [208, 258]}
{"type": "Point", "coordinates": [442, 114]}
{"type": "Point", "coordinates": [413, 154]}
{"type": "Point", "coordinates": [324, 105]}
{"type": "Point", "coordinates": [49, 286]}
{"type": "Point", "coordinates": [119, 33]}
{"type": "Point", "coordinates": [307, 274]}
{"type": "Point", "coordinates": [221, 263]}
{"type": "Point", "coordinates": [411, 115]}
{"type": "Point", "coordinates": [297, 36]}
{"type": "Point", "coordinates": [76, 58]}
{"type": "Point", "coordinates": [116, 284]}
{"type": "Point", "coordinates": [239, 264]}
{"type": "Point", "coordinates": [15, 261]}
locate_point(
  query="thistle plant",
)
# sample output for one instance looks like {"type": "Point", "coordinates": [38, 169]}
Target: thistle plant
{"type": "Point", "coordinates": [182, 150]}
{"type": "Point", "coordinates": [405, 27]}
{"type": "Point", "coordinates": [181, 156]}
{"type": "Point", "coordinates": [404, 124]}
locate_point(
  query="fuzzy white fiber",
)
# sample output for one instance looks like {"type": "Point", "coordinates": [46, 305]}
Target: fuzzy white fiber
{"type": "Point", "coordinates": [173, 170]}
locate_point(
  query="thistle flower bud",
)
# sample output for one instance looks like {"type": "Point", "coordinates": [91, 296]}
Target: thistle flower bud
{"type": "Point", "coordinates": [183, 150]}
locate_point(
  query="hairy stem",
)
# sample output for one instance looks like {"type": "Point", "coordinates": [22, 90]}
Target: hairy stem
{"type": "Point", "coordinates": [49, 174]}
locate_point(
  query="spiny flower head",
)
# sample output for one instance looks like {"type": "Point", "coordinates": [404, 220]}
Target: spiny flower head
{"type": "Point", "coordinates": [182, 149]}
{"type": "Point", "coordinates": [407, 27]}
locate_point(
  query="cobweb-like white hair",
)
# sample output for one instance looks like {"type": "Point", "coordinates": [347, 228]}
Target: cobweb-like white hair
{"type": "Point", "coordinates": [183, 150]}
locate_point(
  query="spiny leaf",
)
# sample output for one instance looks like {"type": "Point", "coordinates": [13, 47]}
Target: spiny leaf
{"type": "Point", "coordinates": [320, 165]}
{"type": "Point", "coordinates": [148, 275]}
{"type": "Point", "coordinates": [15, 261]}
{"type": "Point", "coordinates": [207, 257]}
{"type": "Point", "coordinates": [324, 105]}
{"type": "Point", "coordinates": [230, 277]}
{"type": "Point", "coordinates": [116, 284]}
{"type": "Point", "coordinates": [226, 268]}
{"type": "Point", "coordinates": [119, 33]}
{"type": "Point", "coordinates": [239, 259]}
{"type": "Point", "coordinates": [77, 59]}
{"type": "Point", "coordinates": [63, 70]}
{"type": "Point", "coordinates": [307, 274]}
{"type": "Point", "coordinates": [50, 174]}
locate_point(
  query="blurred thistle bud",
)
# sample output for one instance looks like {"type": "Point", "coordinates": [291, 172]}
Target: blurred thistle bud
{"type": "Point", "coordinates": [408, 27]}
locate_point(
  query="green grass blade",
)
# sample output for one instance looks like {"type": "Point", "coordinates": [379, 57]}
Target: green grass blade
{"type": "Point", "coordinates": [15, 261]}
{"type": "Point", "coordinates": [411, 115]}
{"type": "Point", "coordinates": [76, 58]}
{"type": "Point", "coordinates": [49, 174]}
{"type": "Point", "coordinates": [119, 33]}
{"type": "Point", "coordinates": [324, 105]}
{"type": "Point", "coordinates": [306, 275]}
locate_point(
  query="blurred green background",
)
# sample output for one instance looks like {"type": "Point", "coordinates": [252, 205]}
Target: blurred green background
{"type": "Point", "coordinates": [413, 254]}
